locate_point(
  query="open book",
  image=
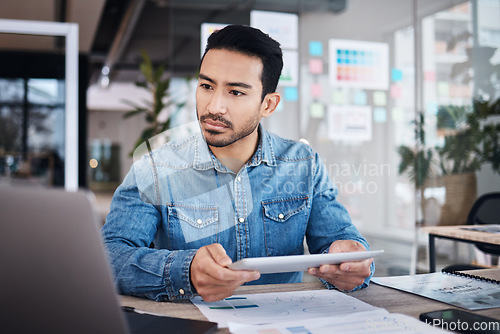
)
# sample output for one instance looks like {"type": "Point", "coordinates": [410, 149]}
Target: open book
{"type": "Point", "coordinates": [455, 288]}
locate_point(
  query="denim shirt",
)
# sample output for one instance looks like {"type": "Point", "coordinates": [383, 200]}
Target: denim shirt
{"type": "Point", "coordinates": [179, 198]}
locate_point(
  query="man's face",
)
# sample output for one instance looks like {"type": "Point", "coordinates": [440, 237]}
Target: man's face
{"type": "Point", "coordinates": [228, 97]}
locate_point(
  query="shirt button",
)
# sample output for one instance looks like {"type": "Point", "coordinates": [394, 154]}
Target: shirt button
{"type": "Point", "coordinates": [238, 178]}
{"type": "Point", "coordinates": [199, 221]}
{"type": "Point", "coordinates": [281, 216]}
{"type": "Point", "coordinates": [241, 220]}
{"type": "Point", "coordinates": [182, 292]}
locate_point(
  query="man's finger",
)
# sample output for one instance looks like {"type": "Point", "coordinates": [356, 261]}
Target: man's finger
{"type": "Point", "coordinates": [356, 266]}
{"type": "Point", "coordinates": [219, 255]}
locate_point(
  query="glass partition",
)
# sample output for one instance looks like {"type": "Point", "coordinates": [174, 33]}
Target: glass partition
{"type": "Point", "coordinates": [461, 91]}
{"type": "Point", "coordinates": [420, 144]}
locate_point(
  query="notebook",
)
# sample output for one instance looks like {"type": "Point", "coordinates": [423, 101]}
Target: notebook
{"type": "Point", "coordinates": [55, 276]}
{"type": "Point", "coordinates": [455, 288]}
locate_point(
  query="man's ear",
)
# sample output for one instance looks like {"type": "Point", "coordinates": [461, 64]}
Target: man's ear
{"type": "Point", "coordinates": [270, 103]}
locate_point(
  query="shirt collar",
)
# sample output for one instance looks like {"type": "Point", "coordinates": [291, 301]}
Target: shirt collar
{"type": "Point", "coordinates": [204, 158]}
{"type": "Point", "coordinates": [265, 152]}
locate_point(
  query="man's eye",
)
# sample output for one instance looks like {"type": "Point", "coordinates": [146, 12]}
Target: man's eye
{"type": "Point", "coordinates": [205, 86]}
{"type": "Point", "coordinates": [236, 93]}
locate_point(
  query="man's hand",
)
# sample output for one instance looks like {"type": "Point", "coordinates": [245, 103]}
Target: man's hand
{"type": "Point", "coordinates": [210, 277]}
{"type": "Point", "coordinates": [348, 275]}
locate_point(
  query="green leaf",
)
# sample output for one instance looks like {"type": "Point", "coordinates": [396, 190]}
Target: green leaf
{"type": "Point", "coordinates": [130, 103]}
{"type": "Point", "coordinates": [146, 71]}
{"type": "Point", "coordinates": [146, 67]}
{"type": "Point", "coordinates": [145, 58]}
{"type": "Point", "coordinates": [147, 133]}
{"type": "Point", "coordinates": [158, 108]}
{"type": "Point", "coordinates": [407, 159]}
{"type": "Point", "coordinates": [142, 84]}
{"type": "Point", "coordinates": [165, 126]}
{"type": "Point", "coordinates": [160, 70]}
{"type": "Point", "coordinates": [161, 90]}
{"type": "Point", "coordinates": [422, 167]}
{"type": "Point", "coordinates": [134, 112]}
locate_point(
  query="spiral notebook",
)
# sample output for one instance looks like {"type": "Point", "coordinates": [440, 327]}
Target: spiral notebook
{"type": "Point", "coordinates": [456, 288]}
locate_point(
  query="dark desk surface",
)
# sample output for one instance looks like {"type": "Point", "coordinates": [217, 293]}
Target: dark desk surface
{"type": "Point", "coordinates": [392, 300]}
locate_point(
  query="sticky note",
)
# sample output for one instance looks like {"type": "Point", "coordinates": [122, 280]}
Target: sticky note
{"type": "Point", "coordinates": [429, 76]}
{"type": "Point", "coordinates": [397, 114]}
{"type": "Point", "coordinates": [379, 115]}
{"type": "Point", "coordinates": [396, 74]}
{"type": "Point", "coordinates": [443, 88]}
{"type": "Point", "coordinates": [396, 92]}
{"type": "Point", "coordinates": [338, 97]}
{"type": "Point", "coordinates": [379, 98]}
{"type": "Point", "coordinates": [316, 90]}
{"type": "Point", "coordinates": [432, 108]}
{"type": "Point", "coordinates": [315, 66]}
{"type": "Point", "coordinates": [360, 98]}
{"type": "Point", "coordinates": [317, 110]}
{"type": "Point", "coordinates": [291, 94]}
{"type": "Point", "coordinates": [315, 48]}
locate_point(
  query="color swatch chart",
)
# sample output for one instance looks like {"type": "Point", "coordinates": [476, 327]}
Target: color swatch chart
{"type": "Point", "coordinates": [359, 64]}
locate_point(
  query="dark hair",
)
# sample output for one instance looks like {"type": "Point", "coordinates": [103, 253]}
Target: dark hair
{"type": "Point", "coordinates": [251, 42]}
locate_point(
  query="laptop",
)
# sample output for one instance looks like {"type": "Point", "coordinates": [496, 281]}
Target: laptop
{"type": "Point", "coordinates": [55, 275]}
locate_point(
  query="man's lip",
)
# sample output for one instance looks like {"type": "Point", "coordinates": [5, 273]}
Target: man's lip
{"type": "Point", "coordinates": [215, 124]}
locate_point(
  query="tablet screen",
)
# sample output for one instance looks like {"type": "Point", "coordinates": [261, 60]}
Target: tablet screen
{"type": "Point", "coordinates": [291, 263]}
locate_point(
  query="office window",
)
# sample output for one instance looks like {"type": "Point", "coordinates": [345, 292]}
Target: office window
{"type": "Point", "coordinates": [32, 130]}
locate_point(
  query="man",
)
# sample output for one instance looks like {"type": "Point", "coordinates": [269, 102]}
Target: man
{"type": "Point", "coordinates": [231, 192]}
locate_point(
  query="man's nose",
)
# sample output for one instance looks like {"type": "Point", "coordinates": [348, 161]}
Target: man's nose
{"type": "Point", "coordinates": [217, 104]}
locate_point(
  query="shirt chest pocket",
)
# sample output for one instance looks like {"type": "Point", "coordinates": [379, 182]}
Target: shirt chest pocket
{"type": "Point", "coordinates": [285, 222]}
{"type": "Point", "coordinates": [192, 226]}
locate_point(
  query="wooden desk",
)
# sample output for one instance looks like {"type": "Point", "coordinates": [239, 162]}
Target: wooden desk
{"type": "Point", "coordinates": [392, 300]}
{"type": "Point", "coordinates": [457, 233]}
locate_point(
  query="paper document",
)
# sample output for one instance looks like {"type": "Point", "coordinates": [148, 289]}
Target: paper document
{"type": "Point", "coordinates": [265, 308]}
{"type": "Point", "coordinates": [484, 228]}
{"type": "Point", "coordinates": [355, 323]}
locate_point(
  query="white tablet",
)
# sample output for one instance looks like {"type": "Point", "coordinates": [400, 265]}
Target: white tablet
{"type": "Point", "coordinates": [283, 264]}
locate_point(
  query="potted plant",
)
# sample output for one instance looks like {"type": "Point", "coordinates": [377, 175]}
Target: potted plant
{"type": "Point", "coordinates": [157, 112]}
{"type": "Point", "coordinates": [417, 161]}
{"type": "Point", "coordinates": [472, 139]}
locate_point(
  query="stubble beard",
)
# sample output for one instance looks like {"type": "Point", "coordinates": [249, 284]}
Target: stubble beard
{"type": "Point", "coordinates": [217, 138]}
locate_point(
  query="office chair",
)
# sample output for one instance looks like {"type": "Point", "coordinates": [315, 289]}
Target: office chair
{"type": "Point", "coordinates": [484, 211]}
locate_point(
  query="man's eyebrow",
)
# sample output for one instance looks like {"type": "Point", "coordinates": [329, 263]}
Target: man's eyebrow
{"type": "Point", "coordinates": [232, 84]}
{"type": "Point", "coordinates": [204, 77]}
{"type": "Point", "coordinates": [239, 84]}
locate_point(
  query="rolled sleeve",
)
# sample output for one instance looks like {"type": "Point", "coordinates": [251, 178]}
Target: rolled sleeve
{"type": "Point", "coordinates": [179, 286]}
